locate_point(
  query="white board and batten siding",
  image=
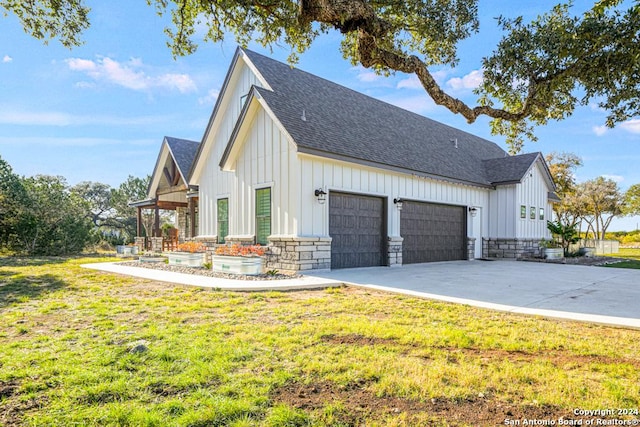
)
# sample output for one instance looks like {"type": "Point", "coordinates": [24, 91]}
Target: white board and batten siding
{"type": "Point", "coordinates": [332, 175]}
{"type": "Point", "coordinates": [214, 183]}
{"type": "Point", "coordinates": [505, 204]}
{"type": "Point", "coordinates": [533, 193]}
{"type": "Point", "coordinates": [267, 159]}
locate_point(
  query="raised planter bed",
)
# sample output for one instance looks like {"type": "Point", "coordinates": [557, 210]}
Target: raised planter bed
{"type": "Point", "coordinates": [126, 251]}
{"type": "Point", "coordinates": [237, 264]}
{"type": "Point", "coordinates": [553, 253]}
{"type": "Point", "coordinates": [186, 259]}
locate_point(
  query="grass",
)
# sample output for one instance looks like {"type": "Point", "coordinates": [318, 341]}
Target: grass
{"type": "Point", "coordinates": [632, 256]}
{"type": "Point", "coordinates": [337, 357]}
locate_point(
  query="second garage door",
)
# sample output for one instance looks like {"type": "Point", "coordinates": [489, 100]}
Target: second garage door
{"type": "Point", "coordinates": [357, 226]}
{"type": "Point", "coordinates": [432, 232]}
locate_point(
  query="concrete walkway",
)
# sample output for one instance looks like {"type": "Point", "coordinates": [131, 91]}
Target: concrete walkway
{"type": "Point", "coordinates": [592, 294]}
{"type": "Point", "coordinates": [306, 282]}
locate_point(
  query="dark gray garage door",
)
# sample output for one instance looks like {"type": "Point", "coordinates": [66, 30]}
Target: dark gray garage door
{"type": "Point", "coordinates": [432, 232]}
{"type": "Point", "coordinates": [357, 227]}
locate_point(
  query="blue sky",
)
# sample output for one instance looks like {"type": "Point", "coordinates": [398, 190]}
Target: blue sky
{"type": "Point", "coordinates": [99, 112]}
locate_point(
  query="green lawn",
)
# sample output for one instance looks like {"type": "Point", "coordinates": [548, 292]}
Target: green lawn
{"type": "Point", "coordinates": [340, 357]}
{"type": "Point", "coordinates": [633, 256]}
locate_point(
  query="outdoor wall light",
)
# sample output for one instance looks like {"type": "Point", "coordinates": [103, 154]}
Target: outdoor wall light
{"type": "Point", "coordinates": [473, 211]}
{"type": "Point", "coordinates": [398, 202]}
{"type": "Point", "coordinates": [321, 195]}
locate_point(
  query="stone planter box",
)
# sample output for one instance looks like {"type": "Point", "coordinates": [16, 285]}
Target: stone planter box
{"type": "Point", "coordinates": [237, 264]}
{"type": "Point", "coordinates": [553, 253]}
{"type": "Point", "coordinates": [186, 259]}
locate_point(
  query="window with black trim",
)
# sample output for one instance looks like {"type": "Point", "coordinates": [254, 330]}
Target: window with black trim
{"type": "Point", "coordinates": [523, 211]}
{"type": "Point", "coordinates": [263, 215]}
{"type": "Point", "coordinates": [223, 219]}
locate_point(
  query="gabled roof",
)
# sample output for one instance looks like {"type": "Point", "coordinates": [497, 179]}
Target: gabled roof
{"type": "Point", "coordinates": [326, 119]}
{"type": "Point", "coordinates": [183, 152]}
{"type": "Point", "coordinates": [509, 170]}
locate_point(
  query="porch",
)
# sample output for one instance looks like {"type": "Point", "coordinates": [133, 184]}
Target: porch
{"type": "Point", "coordinates": [150, 234]}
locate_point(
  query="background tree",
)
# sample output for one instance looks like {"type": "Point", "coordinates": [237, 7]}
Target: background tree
{"type": "Point", "coordinates": [98, 196]}
{"type": "Point", "coordinates": [562, 167]}
{"type": "Point", "coordinates": [632, 200]}
{"type": "Point", "coordinates": [12, 196]}
{"type": "Point", "coordinates": [130, 190]}
{"type": "Point", "coordinates": [51, 220]}
{"type": "Point", "coordinates": [601, 201]}
{"type": "Point", "coordinates": [540, 70]}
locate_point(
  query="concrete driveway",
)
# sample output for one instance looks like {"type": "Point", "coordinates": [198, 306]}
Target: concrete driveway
{"type": "Point", "coordinates": [594, 294]}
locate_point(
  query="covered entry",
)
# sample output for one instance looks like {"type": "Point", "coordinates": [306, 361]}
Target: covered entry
{"type": "Point", "coordinates": [357, 226]}
{"type": "Point", "coordinates": [432, 232]}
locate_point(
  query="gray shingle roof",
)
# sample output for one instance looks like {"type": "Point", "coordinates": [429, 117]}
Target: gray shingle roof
{"type": "Point", "coordinates": [508, 169]}
{"type": "Point", "coordinates": [184, 152]}
{"type": "Point", "coordinates": [342, 123]}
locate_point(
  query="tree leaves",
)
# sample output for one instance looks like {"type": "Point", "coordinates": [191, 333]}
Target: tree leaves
{"type": "Point", "coordinates": [539, 71]}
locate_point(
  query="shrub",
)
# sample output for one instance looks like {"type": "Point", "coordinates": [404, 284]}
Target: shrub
{"type": "Point", "coordinates": [239, 250]}
{"type": "Point", "coordinates": [191, 247]}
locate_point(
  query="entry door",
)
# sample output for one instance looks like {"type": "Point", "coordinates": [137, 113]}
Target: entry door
{"type": "Point", "coordinates": [357, 228]}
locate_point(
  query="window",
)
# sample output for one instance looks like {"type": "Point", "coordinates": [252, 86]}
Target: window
{"type": "Point", "coordinates": [263, 215]}
{"type": "Point", "coordinates": [541, 213]}
{"type": "Point", "coordinates": [523, 211]}
{"type": "Point", "coordinates": [223, 219]}
{"type": "Point", "coordinates": [532, 213]}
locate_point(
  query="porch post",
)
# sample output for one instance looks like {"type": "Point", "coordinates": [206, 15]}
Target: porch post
{"type": "Point", "coordinates": [192, 218]}
{"type": "Point", "coordinates": [139, 223]}
{"type": "Point", "coordinates": [156, 225]}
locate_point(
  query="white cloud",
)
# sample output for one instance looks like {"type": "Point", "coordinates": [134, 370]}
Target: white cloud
{"type": "Point", "coordinates": [469, 81]}
{"type": "Point", "coordinates": [365, 75]}
{"type": "Point", "coordinates": [12, 116]}
{"type": "Point", "coordinates": [632, 126]}
{"type": "Point", "coordinates": [418, 104]}
{"type": "Point", "coordinates": [412, 82]}
{"type": "Point", "coordinates": [615, 178]}
{"type": "Point", "coordinates": [210, 98]}
{"type": "Point", "coordinates": [130, 75]}
{"type": "Point", "coordinates": [599, 130]}
{"type": "Point", "coordinates": [70, 142]}
{"type": "Point", "coordinates": [6, 59]}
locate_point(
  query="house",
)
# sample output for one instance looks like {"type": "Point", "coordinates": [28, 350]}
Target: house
{"type": "Point", "coordinates": [331, 178]}
{"type": "Point", "coordinates": [169, 189]}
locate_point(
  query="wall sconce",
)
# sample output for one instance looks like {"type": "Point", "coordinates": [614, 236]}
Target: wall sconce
{"type": "Point", "coordinates": [321, 195]}
{"type": "Point", "coordinates": [398, 202]}
{"type": "Point", "coordinates": [473, 211]}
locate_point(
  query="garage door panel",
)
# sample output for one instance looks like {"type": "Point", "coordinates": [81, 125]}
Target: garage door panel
{"type": "Point", "coordinates": [432, 232]}
{"type": "Point", "coordinates": [356, 227]}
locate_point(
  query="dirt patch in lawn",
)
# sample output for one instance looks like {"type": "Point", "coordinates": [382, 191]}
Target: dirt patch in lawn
{"type": "Point", "coordinates": [558, 358]}
{"type": "Point", "coordinates": [356, 339]}
{"type": "Point", "coordinates": [12, 409]}
{"type": "Point", "coordinates": [361, 405]}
